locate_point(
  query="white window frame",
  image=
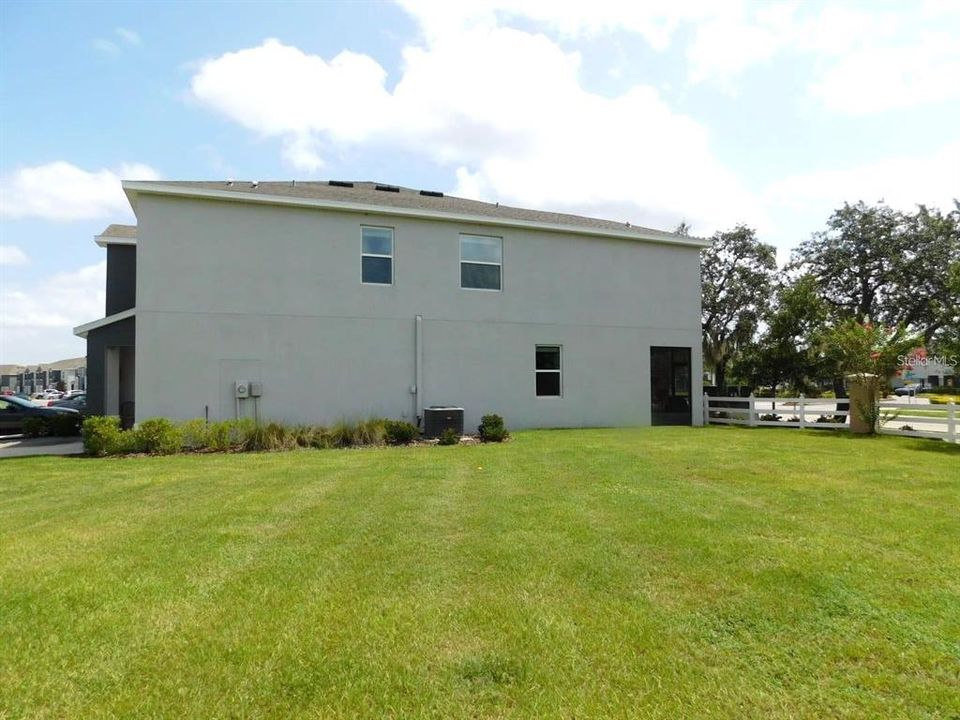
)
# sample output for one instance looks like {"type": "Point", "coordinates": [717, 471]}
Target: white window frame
{"type": "Point", "coordinates": [479, 262]}
{"type": "Point", "coordinates": [558, 371]}
{"type": "Point", "coordinates": [393, 251]}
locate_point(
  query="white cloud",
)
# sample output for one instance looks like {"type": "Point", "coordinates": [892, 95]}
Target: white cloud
{"type": "Point", "coordinates": [503, 108]}
{"type": "Point", "coordinates": [875, 79]}
{"type": "Point", "coordinates": [11, 255]}
{"type": "Point", "coordinates": [655, 22]}
{"type": "Point", "coordinates": [863, 60]}
{"type": "Point", "coordinates": [36, 322]}
{"type": "Point", "coordinates": [61, 191]}
{"type": "Point", "coordinates": [902, 182]}
{"type": "Point", "coordinates": [730, 41]}
{"type": "Point", "coordinates": [108, 47]}
{"type": "Point", "coordinates": [130, 37]}
{"type": "Point", "coordinates": [124, 36]}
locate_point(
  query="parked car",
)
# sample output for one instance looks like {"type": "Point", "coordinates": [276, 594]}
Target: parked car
{"type": "Point", "coordinates": [909, 390]}
{"type": "Point", "coordinates": [51, 394]}
{"type": "Point", "coordinates": [14, 410]}
{"type": "Point", "coordinates": [78, 402]}
{"type": "Point", "coordinates": [73, 393]}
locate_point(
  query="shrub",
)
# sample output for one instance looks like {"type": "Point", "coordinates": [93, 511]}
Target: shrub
{"type": "Point", "coordinates": [34, 427]}
{"type": "Point", "coordinates": [492, 429]}
{"type": "Point", "coordinates": [157, 436]}
{"type": "Point", "coordinates": [227, 434]}
{"type": "Point", "coordinates": [320, 439]}
{"type": "Point", "coordinates": [302, 435]}
{"type": "Point", "coordinates": [794, 419]}
{"type": "Point", "coordinates": [449, 437]}
{"type": "Point", "coordinates": [398, 432]}
{"type": "Point", "coordinates": [770, 417]}
{"type": "Point", "coordinates": [908, 428]}
{"type": "Point", "coordinates": [271, 436]}
{"type": "Point", "coordinates": [102, 435]}
{"type": "Point", "coordinates": [195, 434]}
{"type": "Point", "coordinates": [341, 434]}
{"type": "Point", "coordinates": [344, 433]}
{"type": "Point", "coordinates": [942, 390]}
{"type": "Point", "coordinates": [370, 432]}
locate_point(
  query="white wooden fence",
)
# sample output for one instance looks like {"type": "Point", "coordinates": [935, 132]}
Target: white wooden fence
{"type": "Point", "coordinates": [821, 414]}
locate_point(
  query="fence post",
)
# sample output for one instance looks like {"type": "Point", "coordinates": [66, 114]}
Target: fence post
{"type": "Point", "coordinates": [751, 420]}
{"type": "Point", "coordinates": [803, 412]}
{"type": "Point", "coordinates": [706, 409]}
{"type": "Point", "coordinates": [951, 422]}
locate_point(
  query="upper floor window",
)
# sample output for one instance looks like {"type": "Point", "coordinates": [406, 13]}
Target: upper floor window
{"type": "Point", "coordinates": [377, 255]}
{"type": "Point", "coordinates": [481, 261]}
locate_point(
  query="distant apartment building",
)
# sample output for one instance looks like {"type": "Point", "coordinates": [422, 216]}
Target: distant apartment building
{"type": "Point", "coordinates": [29, 379]}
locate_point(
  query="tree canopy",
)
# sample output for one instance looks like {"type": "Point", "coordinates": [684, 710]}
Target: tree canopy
{"type": "Point", "coordinates": [871, 266]}
{"type": "Point", "coordinates": [737, 273]}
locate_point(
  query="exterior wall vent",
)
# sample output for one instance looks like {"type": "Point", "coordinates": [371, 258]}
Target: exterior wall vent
{"type": "Point", "coordinates": [388, 188]}
{"type": "Point", "coordinates": [431, 193]}
{"type": "Point", "coordinates": [340, 183]}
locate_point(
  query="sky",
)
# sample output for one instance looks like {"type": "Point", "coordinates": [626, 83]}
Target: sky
{"type": "Point", "coordinates": [770, 114]}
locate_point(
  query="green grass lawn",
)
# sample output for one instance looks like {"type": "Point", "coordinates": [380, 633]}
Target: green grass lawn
{"type": "Point", "coordinates": [660, 572]}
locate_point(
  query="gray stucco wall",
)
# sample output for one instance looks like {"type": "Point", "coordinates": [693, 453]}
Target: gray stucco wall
{"type": "Point", "coordinates": [275, 294]}
{"type": "Point", "coordinates": [121, 278]}
{"type": "Point", "coordinates": [118, 334]}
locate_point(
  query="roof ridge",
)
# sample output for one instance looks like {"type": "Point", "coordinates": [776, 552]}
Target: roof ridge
{"type": "Point", "coordinates": [365, 192]}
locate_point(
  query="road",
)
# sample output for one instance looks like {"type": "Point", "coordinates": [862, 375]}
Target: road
{"type": "Point", "coordinates": [16, 446]}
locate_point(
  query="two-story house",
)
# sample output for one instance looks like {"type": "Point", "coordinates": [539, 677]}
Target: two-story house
{"type": "Point", "coordinates": [315, 301]}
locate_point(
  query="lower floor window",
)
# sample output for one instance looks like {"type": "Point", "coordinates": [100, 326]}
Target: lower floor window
{"type": "Point", "coordinates": [548, 369]}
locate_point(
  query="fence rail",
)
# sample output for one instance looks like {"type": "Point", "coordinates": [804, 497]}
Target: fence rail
{"type": "Point", "coordinates": [821, 414]}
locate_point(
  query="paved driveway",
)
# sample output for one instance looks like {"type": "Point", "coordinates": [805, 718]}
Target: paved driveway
{"type": "Point", "coordinates": [15, 446]}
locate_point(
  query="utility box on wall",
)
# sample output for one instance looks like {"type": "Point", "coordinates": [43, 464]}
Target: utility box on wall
{"type": "Point", "coordinates": [438, 419]}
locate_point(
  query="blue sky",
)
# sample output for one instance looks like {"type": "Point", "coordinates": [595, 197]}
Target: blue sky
{"type": "Point", "coordinates": [771, 114]}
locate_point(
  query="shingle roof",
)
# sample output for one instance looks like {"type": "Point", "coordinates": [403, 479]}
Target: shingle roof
{"type": "Point", "coordinates": [120, 231]}
{"type": "Point", "coordinates": [408, 198]}
{"type": "Point", "coordinates": [68, 364]}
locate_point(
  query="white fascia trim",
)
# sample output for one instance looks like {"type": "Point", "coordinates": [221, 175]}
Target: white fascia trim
{"type": "Point", "coordinates": [132, 188]}
{"type": "Point", "coordinates": [82, 330]}
{"type": "Point", "coordinates": [104, 240]}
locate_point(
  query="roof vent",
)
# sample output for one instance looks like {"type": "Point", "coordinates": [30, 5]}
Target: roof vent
{"type": "Point", "coordinates": [431, 193]}
{"type": "Point", "coordinates": [388, 188]}
{"type": "Point", "coordinates": [340, 183]}
{"type": "Point", "coordinates": [293, 183]}
{"type": "Point", "coordinates": [255, 184]}
{"type": "Point", "coordinates": [229, 182]}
